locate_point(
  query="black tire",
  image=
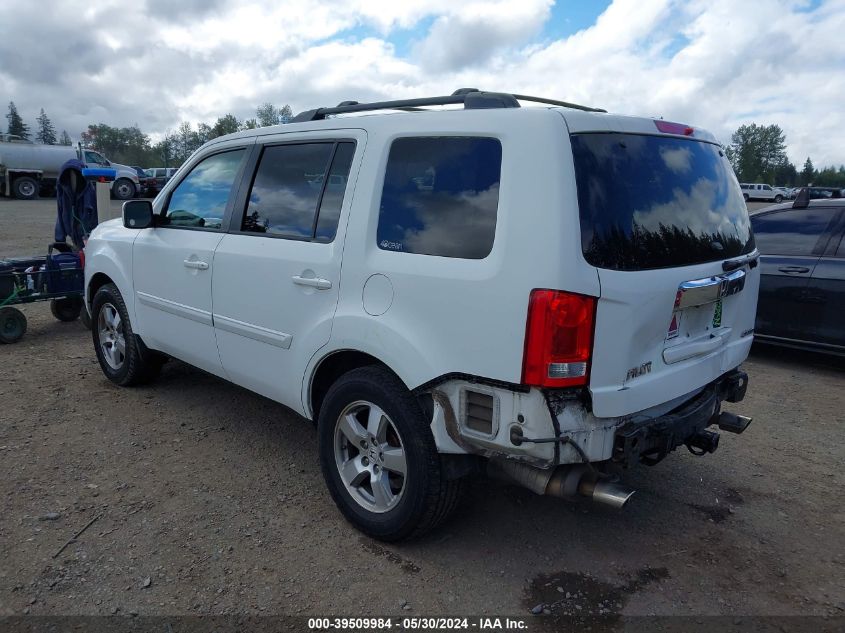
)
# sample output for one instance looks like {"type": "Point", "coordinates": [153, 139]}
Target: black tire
{"type": "Point", "coordinates": [139, 365]}
{"type": "Point", "coordinates": [123, 189]}
{"type": "Point", "coordinates": [67, 308]}
{"type": "Point", "coordinates": [12, 325]}
{"type": "Point", "coordinates": [25, 188]}
{"type": "Point", "coordinates": [778, 199]}
{"type": "Point", "coordinates": [427, 497]}
{"type": "Point", "coordinates": [745, 197]}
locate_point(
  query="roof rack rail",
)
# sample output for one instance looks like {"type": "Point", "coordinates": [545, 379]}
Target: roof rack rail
{"type": "Point", "coordinates": [470, 98]}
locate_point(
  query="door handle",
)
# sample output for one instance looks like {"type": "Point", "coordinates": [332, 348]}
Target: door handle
{"type": "Point", "coordinates": [313, 282]}
{"type": "Point", "coordinates": [195, 263]}
{"type": "Point", "coordinates": [793, 270]}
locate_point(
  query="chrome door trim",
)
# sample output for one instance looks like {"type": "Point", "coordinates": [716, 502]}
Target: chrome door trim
{"type": "Point", "coordinates": [181, 310]}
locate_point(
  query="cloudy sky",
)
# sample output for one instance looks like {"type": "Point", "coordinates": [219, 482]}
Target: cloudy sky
{"type": "Point", "coordinates": [713, 63]}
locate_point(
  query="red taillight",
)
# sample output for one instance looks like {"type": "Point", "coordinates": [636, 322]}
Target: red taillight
{"type": "Point", "coordinates": [82, 258]}
{"type": "Point", "coordinates": [558, 339]}
{"type": "Point", "coordinates": [667, 127]}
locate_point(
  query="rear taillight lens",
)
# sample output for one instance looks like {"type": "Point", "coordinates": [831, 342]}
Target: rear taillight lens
{"type": "Point", "coordinates": [82, 258]}
{"type": "Point", "coordinates": [558, 339]}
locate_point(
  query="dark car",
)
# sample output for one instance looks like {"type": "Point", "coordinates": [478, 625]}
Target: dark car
{"type": "Point", "coordinates": [159, 177]}
{"type": "Point", "coordinates": [802, 286]}
{"type": "Point", "coordinates": [146, 181]}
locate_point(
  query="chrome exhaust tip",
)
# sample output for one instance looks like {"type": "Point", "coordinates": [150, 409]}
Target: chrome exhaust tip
{"type": "Point", "coordinates": [608, 493]}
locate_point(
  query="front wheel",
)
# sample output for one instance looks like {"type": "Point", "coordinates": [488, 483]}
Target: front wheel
{"type": "Point", "coordinates": [124, 189]}
{"type": "Point", "coordinates": [124, 359]}
{"type": "Point", "coordinates": [745, 197]}
{"type": "Point", "coordinates": [778, 199]}
{"type": "Point", "coordinates": [379, 459]}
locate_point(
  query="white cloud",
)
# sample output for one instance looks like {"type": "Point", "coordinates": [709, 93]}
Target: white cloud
{"type": "Point", "coordinates": [711, 63]}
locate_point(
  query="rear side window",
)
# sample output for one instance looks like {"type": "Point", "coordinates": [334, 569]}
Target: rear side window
{"type": "Point", "coordinates": [791, 232]}
{"type": "Point", "coordinates": [657, 202]}
{"type": "Point", "coordinates": [441, 196]}
{"type": "Point", "coordinates": [298, 191]}
{"type": "Point", "coordinates": [200, 200]}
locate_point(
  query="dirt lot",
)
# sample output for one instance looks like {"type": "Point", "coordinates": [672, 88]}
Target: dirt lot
{"type": "Point", "coordinates": [208, 500]}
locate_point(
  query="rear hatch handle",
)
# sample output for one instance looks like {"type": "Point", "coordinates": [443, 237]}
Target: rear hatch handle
{"type": "Point", "coordinates": [739, 262]}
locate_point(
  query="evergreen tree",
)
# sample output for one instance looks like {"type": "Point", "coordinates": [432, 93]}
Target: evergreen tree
{"type": "Point", "coordinates": [756, 151]}
{"type": "Point", "coordinates": [46, 132]}
{"type": "Point", "coordinates": [808, 174]}
{"type": "Point", "coordinates": [16, 125]}
{"type": "Point", "coordinates": [64, 139]}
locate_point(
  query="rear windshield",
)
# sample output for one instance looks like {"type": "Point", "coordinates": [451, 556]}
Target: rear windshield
{"type": "Point", "coordinates": [657, 202]}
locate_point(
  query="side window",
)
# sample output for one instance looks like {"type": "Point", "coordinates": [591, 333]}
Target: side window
{"type": "Point", "coordinates": [298, 190]}
{"type": "Point", "coordinates": [441, 196]}
{"type": "Point", "coordinates": [200, 199]}
{"type": "Point", "coordinates": [766, 188]}
{"type": "Point", "coordinates": [95, 158]}
{"type": "Point", "coordinates": [790, 232]}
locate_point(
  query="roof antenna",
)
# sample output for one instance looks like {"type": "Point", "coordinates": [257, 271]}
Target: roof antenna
{"type": "Point", "coordinates": [802, 200]}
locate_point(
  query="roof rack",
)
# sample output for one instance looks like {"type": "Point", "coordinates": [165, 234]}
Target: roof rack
{"type": "Point", "coordinates": [470, 98]}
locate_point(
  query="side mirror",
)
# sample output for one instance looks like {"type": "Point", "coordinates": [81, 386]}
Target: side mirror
{"type": "Point", "coordinates": [138, 214]}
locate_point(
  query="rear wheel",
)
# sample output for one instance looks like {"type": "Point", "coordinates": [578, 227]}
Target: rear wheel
{"type": "Point", "coordinates": [25, 188]}
{"type": "Point", "coordinates": [778, 198]}
{"type": "Point", "coordinates": [12, 325]}
{"type": "Point", "coordinates": [379, 459]}
{"type": "Point", "coordinates": [123, 357]}
{"type": "Point", "coordinates": [66, 308]}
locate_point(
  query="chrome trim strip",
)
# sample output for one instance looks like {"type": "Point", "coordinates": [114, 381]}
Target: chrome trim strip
{"type": "Point", "coordinates": [178, 309]}
{"type": "Point", "coordinates": [255, 332]}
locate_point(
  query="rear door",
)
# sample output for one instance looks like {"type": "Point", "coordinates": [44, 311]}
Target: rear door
{"type": "Point", "coordinates": [825, 294]}
{"type": "Point", "coordinates": [660, 214]}
{"type": "Point", "coordinates": [790, 242]}
{"type": "Point", "coordinates": [277, 272]}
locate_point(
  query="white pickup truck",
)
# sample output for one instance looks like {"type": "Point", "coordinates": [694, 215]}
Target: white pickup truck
{"type": "Point", "coordinates": [26, 168]}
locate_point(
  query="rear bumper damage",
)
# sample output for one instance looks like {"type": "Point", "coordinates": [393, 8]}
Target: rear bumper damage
{"type": "Point", "coordinates": [550, 442]}
{"type": "Point", "coordinates": [649, 441]}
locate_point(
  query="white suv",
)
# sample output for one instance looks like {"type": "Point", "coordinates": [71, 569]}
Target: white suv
{"type": "Point", "coordinates": [546, 294]}
{"type": "Point", "coordinates": [761, 191]}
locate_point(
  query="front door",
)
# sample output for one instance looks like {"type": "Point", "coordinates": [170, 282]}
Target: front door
{"type": "Point", "coordinates": [173, 263]}
{"type": "Point", "coordinates": [277, 272]}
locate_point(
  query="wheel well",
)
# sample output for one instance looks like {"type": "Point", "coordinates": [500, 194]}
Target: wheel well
{"type": "Point", "coordinates": [333, 367]}
{"type": "Point", "coordinates": [97, 281]}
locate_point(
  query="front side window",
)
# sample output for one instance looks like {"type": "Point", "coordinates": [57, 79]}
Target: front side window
{"type": "Point", "coordinates": [298, 191]}
{"type": "Point", "coordinates": [441, 196]}
{"type": "Point", "coordinates": [790, 232]}
{"type": "Point", "coordinates": [200, 200]}
{"type": "Point", "coordinates": [95, 158]}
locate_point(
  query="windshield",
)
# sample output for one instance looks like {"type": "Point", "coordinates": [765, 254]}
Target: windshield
{"type": "Point", "coordinates": [657, 202]}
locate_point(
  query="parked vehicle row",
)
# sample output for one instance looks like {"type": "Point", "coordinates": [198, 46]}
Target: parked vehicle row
{"type": "Point", "coordinates": [27, 169]}
{"type": "Point", "coordinates": [370, 273]}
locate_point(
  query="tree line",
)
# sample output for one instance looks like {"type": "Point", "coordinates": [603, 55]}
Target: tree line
{"type": "Point", "coordinates": [131, 146]}
{"type": "Point", "coordinates": [758, 154]}
{"type": "Point", "coordinates": [45, 132]}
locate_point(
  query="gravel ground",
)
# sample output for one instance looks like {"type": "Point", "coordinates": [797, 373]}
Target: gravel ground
{"type": "Point", "coordinates": [207, 499]}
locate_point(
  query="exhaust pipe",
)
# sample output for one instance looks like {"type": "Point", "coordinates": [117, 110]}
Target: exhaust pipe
{"type": "Point", "coordinates": [564, 482]}
{"type": "Point", "coordinates": [606, 492]}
